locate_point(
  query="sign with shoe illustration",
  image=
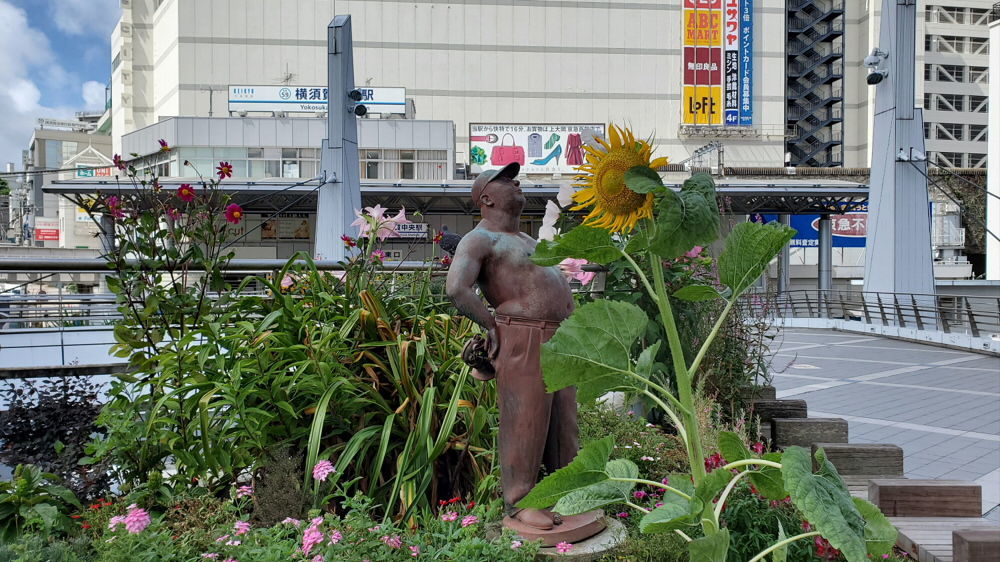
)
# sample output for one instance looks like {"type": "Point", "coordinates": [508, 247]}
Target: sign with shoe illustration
{"type": "Point", "coordinates": [540, 148]}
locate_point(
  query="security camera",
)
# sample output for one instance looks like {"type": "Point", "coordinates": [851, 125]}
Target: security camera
{"type": "Point", "coordinates": [871, 61]}
{"type": "Point", "coordinates": [876, 77]}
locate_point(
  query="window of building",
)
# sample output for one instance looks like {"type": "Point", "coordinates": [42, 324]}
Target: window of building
{"type": "Point", "coordinates": [950, 73]}
{"type": "Point", "coordinates": [977, 132]}
{"type": "Point", "coordinates": [945, 14]}
{"type": "Point", "coordinates": [404, 164]}
{"type": "Point", "coordinates": [979, 45]}
{"type": "Point", "coordinates": [949, 159]}
{"type": "Point", "coordinates": [979, 74]}
{"type": "Point", "coordinates": [950, 131]}
{"type": "Point", "coordinates": [928, 130]}
{"type": "Point", "coordinates": [979, 104]}
{"type": "Point", "coordinates": [976, 160]}
{"type": "Point", "coordinates": [950, 102]}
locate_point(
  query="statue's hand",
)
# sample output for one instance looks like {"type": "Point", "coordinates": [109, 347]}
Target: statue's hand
{"type": "Point", "coordinates": [492, 343]}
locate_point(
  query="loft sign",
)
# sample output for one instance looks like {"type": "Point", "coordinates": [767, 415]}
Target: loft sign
{"type": "Point", "coordinates": [309, 99]}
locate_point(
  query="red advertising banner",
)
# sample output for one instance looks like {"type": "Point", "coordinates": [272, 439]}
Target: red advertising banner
{"type": "Point", "coordinates": [703, 66]}
{"type": "Point", "coordinates": [703, 4]}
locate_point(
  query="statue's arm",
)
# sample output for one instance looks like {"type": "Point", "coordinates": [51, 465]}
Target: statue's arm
{"type": "Point", "coordinates": [472, 251]}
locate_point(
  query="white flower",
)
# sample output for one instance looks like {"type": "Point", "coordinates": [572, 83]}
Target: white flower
{"type": "Point", "coordinates": [548, 229]}
{"type": "Point", "coordinates": [565, 196]}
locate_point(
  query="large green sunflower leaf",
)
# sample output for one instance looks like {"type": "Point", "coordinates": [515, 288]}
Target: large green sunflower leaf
{"type": "Point", "coordinates": [586, 469]}
{"type": "Point", "coordinates": [592, 348]}
{"type": "Point", "coordinates": [686, 219]}
{"type": "Point", "coordinates": [675, 513]}
{"type": "Point", "coordinates": [643, 179]}
{"type": "Point", "coordinates": [880, 535]}
{"type": "Point", "coordinates": [825, 502]}
{"type": "Point", "coordinates": [749, 248]}
{"type": "Point", "coordinates": [768, 480]}
{"type": "Point", "coordinates": [712, 548]}
{"type": "Point", "coordinates": [583, 242]}
{"type": "Point", "coordinates": [602, 493]}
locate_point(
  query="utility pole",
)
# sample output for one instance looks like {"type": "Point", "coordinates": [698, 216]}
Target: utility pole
{"type": "Point", "coordinates": [340, 193]}
{"type": "Point", "coordinates": [898, 253]}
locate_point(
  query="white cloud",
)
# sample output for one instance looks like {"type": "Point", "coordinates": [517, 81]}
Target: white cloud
{"type": "Point", "coordinates": [24, 50]}
{"type": "Point", "coordinates": [93, 95]}
{"type": "Point", "coordinates": [85, 17]}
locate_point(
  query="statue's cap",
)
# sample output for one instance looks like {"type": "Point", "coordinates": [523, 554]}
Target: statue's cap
{"type": "Point", "coordinates": [509, 171]}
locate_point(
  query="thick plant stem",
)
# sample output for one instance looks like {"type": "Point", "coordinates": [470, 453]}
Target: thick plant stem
{"type": "Point", "coordinates": [684, 391]}
{"type": "Point", "coordinates": [778, 545]}
{"type": "Point", "coordinates": [660, 485]}
{"type": "Point", "coordinates": [642, 276]}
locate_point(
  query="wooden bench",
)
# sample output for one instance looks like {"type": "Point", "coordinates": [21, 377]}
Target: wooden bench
{"type": "Point", "coordinates": [803, 432]}
{"type": "Point", "coordinates": [901, 497]}
{"type": "Point", "coordinates": [859, 460]}
{"type": "Point", "coordinates": [976, 545]}
{"type": "Point", "coordinates": [767, 410]}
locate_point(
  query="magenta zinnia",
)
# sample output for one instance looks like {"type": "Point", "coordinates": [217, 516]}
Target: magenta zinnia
{"type": "Point", "coordinates": [234, 213]}
{"type": "Point", "coordinates": [225, 170]}
{"type": "Point", "coordinates": [185, 192]}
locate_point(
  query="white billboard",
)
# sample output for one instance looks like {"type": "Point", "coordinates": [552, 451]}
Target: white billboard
{"type": "Point", "coordinates": [540, 148]}
{"type": "Point", "coordinates": [310, 99]}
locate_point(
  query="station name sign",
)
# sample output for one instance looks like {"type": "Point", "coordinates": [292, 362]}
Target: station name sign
{"type": "Point", "coordinates": [310, 99]}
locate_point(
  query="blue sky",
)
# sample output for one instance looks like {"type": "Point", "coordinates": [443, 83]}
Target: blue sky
{"type": "Point", "coordinates": [55, 56]}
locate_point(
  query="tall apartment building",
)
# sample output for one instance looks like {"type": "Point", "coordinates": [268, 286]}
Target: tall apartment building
{"type": "Point", "coordinates": [829, 103]}
{"type": "Point", "coordinates": [490, 61]}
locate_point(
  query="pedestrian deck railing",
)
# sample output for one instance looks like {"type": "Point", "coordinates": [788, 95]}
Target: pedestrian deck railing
{"type": "Point", "coordinates": [977, 316]}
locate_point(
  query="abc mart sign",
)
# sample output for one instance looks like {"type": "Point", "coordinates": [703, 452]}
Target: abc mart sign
{"type": "Point", "coordinates": [310, 99]}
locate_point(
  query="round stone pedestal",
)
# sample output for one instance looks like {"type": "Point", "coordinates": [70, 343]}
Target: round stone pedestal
{"type": "Point", "coordinates": [594, 548]}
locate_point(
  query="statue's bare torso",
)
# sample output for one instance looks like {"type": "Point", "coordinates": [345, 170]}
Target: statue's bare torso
{"type": "Point", "coordinates": [513, 284]}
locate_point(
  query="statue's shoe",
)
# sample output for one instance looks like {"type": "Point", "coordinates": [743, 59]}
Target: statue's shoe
{"type": "Point", "coordinates": [536, 518]}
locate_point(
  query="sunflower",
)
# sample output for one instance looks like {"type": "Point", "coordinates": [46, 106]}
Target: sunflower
{"type": "Point", "coordinates": [615, 207]}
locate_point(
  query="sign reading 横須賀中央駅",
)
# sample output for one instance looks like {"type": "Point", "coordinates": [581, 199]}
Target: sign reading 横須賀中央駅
{"type": "Point", "coordinates": [310, 99]}
{"type": "Point", "coordinates": [717, 77]}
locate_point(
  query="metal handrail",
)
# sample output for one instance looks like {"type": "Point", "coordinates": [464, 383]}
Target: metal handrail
{"type": "Point", "coordinates": [974, 315]}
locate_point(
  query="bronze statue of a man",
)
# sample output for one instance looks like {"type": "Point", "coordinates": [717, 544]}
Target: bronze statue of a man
{"type": "Point", "coordinates": [530, 301]}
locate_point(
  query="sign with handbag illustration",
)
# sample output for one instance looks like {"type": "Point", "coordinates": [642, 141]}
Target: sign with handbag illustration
{"type": "Point", "coordinates": [540, 148]}
{"type": "Point", "coordinates": [504, 154]}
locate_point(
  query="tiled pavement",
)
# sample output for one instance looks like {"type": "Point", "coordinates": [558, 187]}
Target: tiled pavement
{"type": "Point", "coordinates": [942, 406]}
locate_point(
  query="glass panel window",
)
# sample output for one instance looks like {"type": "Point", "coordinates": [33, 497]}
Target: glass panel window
{"type": "Point", "coordinates": [979, 104]}
{"type": "Point", "coordinates": [977, 132]}
{"type": "Point", "coordinates": [371, 170]}
{"type": "Point", "coordinates": [978, 74]}
{"type": "Point", "coordinates": [952, 131]}
{"type": "Point", "coordinates": [406, 171]}
{"type": "Point", "coordinates": [950, 73]}
{"type": "Point", "coordinates": [289, 153]}
{"type": "Point", "coordinates": [255, 153]}
{"type": "Point", "coordinates": [950, 102]}
{"type": "Point", "coordinates": [290, 169]}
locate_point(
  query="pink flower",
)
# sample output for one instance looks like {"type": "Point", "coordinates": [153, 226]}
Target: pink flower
{"type": "Point", "coordinates": [563, 547]}
{"type": "Point", "coordinates": [623, 515]}
{"type": "Point", "coordinates": [694, 252]}
{"type": "Point", "coordinates": [414, 551]}
{"type": "Point", "coordinates": [164, 147]}
{"type": "Point", "coordinates": [225, 170]}
{"type": "Point", "coordinates": [658, 504]}
{"type": "Point", "coordinates": [185, 192]}
{"type": "Point", "coordinates": [514, 545]}
{"type": "Point", "coordinates": [449, 516]}
{"type": "Point", "coordinates": [114, 521]}
{"type": "Point", "coordinates": [572, 268]}
{"type": "Point", "coordinates": [118, 162]}
{"type": "Point", "coordinates": [230, 560]}
{"type": "Point", "coordinates": [469, 520]}
{"type": "Point", "coordinates": [317, 558]}
{"type": "Point", "coordinates": [646, 458]}
{"type": "Point", "coordinates": [291, 520]}
{"type": "Point", "coordinates": [234, 213]}
{"type": "Point", "coordinates": [394, 541]}
{"type": "Point", "coordinates": [336, 537]}
{"type": "Point", "coordinates": [316, 521]}
{"type": "Point", "coordinates": [174, 214]}
{"type": "Point", "coordinates": [135, 520]}
{"type": "Point", "coordinates": [310, 538]}
{"type": "Point", "coordinates": [243, 491]}
{"type": "Point", "coordinates": [242, 527]}
{"type": "Point", "coordinates": [115, 206]}
{"type": "Point", "coordinates": [665, 481]}
{"type": "Point", "coordinates": [639, 494]}
{"type": "Point", "coordinates": [757, 447]}
{"type": "Point", "coordinates": [323, 469]}
{"type": "Point", "coordinates": [233, 543]}
{"type": "Point", "coordinates": [445, 260]}
{"type": "Point", "coordinates": [212, 555]}
{"type": "Point", "coordinates": [378, 255]}
{"type": "Point", "coordinates": [222, 538]}
{"type": "Point", "coordinates": [348, 241]}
